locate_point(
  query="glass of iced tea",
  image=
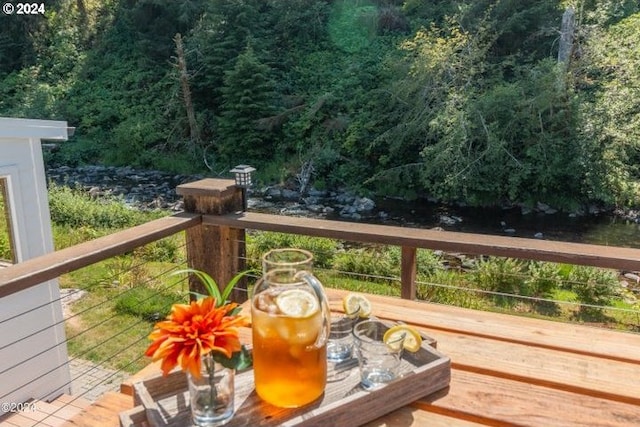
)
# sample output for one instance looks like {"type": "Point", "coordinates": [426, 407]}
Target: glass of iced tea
{"type": "Point", "coordinates": [290, 323]}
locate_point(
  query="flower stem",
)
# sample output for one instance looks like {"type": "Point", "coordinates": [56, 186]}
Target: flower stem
{"type": "Point", "coordinates": [210, 366]}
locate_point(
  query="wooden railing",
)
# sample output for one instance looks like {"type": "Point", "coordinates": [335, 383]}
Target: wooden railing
{"type": "Point", "coordinates": [409, 239]}
{"type": "Point", "coordinates": [215, 227]}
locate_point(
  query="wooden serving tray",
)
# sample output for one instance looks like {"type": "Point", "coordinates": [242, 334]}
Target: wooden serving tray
{"type": "Point", "coordinates": [164, 401]}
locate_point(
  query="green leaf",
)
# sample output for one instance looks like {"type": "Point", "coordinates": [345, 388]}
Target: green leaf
{"type": "Point", "coordinates": [208, 282]}
{"type": "Point", "coordinates": [233, 282]}
{"type": "Point", "coordinates": [211, 285]}
{"type": "Point", "coordinates": [240, 360]}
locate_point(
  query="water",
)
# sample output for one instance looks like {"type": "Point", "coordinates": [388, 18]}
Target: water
{"type": "Point", "coordinates": [375, 377]}
{"type": "Point", "coordinates": [338, 351]}
{"type": "Point", "coordinates": [603, 229]}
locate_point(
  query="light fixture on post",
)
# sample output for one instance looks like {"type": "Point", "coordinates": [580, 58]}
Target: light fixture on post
{"type": "Point", "coordinates": [243, 180]}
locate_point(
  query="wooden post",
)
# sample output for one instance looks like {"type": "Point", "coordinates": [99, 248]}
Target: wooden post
{"type": "Point", "coordinates": [408, 273]}
{"type": "Point", "coordinates": [216, 250]}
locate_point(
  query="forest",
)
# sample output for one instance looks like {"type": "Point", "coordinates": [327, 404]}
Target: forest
{"type": "Point", "coordinates": [482, 102]}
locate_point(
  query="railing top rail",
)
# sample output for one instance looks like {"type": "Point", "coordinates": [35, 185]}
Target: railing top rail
{"type": "Point", "coordinates": [477, 244]}
{"type": "Point", "coordinates": [15, 278]}
{"type": "Point", "coordinates": [21, 276]}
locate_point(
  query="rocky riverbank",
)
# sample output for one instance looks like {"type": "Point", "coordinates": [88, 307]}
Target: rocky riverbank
{"type": "Point", "coordinates": [145, 189]}
{"type": "Point", "coordinates": [148, 189]}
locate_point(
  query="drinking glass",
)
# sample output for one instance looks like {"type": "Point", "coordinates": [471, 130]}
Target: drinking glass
{"type": "Point", "coordinates": [379, 362]}
{"type": "Point", "coordinates": [340, 344]}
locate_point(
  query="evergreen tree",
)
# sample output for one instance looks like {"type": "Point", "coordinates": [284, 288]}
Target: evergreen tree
{"type": "Point", "coordinates": [248, 97]}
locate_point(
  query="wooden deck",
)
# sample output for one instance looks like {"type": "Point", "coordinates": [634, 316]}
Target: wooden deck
{"type": "Point", "coordinates": [47, 414]}
{"type": "Point", "coordinates": [506, 371]}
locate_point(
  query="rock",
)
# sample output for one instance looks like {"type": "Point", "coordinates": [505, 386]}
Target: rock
{"type": "Point", "coordinates": [347, 210]}
{"type": "Point", "coordinates": [273, 192]}
{"type": "Point", "coordinates": [317, 193]}
{"type": "Point", "coordinates": [290, 194]}
{"type": "Point", "coordinates": [363, 204]}
{"type": "Point", "coordinates": [543, 207]}
{"type": "Point", "coordinates": [315, 208]}
{"type": "Point", "coordinates": [634, 277]}
{"type": "Point", "coordinates": [509, 230]}
{"type": "Point", "coordinates": [538, 235]}
{"type": "Point", "coordinates": [311, 200]}
{"type": "Point", "coordinates": [259, 204]}
{"type": "Point", "coordinates": [68, 296]}
{"type": "Point", "coordinates": [344, 198]}
{"type": "Point", "coordinates": [294, 210]}
{"type": "Point", "coordinates": [94, 192]}
{"type": "Point", "coordinates": [446, 220]}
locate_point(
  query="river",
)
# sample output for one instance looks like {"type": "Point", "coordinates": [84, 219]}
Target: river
{"type": "Point", "coordinates": [145, 188]}
{"type": "Point", "coordinates": [601, 229]}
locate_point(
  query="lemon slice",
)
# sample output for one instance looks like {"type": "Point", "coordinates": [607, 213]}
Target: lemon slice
{"type": "Point", "coordinates": [356, 305]}
{"type": "Point", "coordinates": [404, 335]}
{"type": "Point", "coordinates": [297, 303]}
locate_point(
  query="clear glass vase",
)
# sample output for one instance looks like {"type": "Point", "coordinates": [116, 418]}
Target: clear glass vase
{"type": "Point", "coordinates": [212, 395]}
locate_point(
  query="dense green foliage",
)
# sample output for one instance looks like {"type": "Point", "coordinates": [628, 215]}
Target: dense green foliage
{"type": "Point", "coordinates": [459, 100]}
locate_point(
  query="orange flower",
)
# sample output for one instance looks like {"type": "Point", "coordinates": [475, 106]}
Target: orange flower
{"type": "Point", "coordinates": [193, 330]}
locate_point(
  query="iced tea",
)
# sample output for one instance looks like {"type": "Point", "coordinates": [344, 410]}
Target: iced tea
{"type": "Point", "coordinates": [289, 369]}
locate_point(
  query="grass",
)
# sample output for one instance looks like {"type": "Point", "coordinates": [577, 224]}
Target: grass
{"type": "Point", "coordinates": [111, 322]}
{"type": "Point", "coordinates": [97, 334]}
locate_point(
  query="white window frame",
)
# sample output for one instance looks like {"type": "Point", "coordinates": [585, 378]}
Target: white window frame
{"type": "Point", "coordinates": [34, 360]}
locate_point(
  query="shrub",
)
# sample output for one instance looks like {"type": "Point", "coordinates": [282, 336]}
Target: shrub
{"type": "Point", "coordinates": [595, 287]}
{"type": "Point", "coordinates": [146, 303]}
{"type": "Point", "coordinates": [165, 250]}
{"type": "Point", "coordinates": [5, 243]}
{"type": "Point", "coordinates": [448, 287]}
{"type": "Point", "coordinates": [502, 275]}
{"type": "Point", "coordinates": [543, 278]}
{"type": "Point", "coordinates": [74, 208]}
{"type": "Point", "coordinates": [259, 243]}
{"type": "Point", "coordinates": [374, 262]}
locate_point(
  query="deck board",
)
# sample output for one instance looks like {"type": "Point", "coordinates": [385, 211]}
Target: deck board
{"type": "Point", "coordinates": [47, 414]}
{"type": "Point", "coordinates": [552, 368]}
{"type": "Point", "coordinates": [413, 416]}
{"type": "Point", "coordinates": [104, 412]}
{"type": "Point", "coordinates": [613, 345]}
{"type": "Point", "coordinates": [507, 402]}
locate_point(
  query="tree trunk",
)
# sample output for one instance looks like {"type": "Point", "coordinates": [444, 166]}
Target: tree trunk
{"type": "Point", "coordinates": [194, 131]}
{"type": "Point", "coordinates": [566, 36]}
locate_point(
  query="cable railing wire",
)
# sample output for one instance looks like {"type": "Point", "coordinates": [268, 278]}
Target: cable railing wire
{"type": "Point", "coordinates": [68, 339]}
{"type": "Point", "coordinates": [471, 268]}
{"type": "Point", "coordinates": [65, 342]}
{"type": "Point", "coordinates": [106, 301]}
{"type": "Point", "coordinates": [105, 379]}
{"type": "Point", "coordinates": [62, 297]}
